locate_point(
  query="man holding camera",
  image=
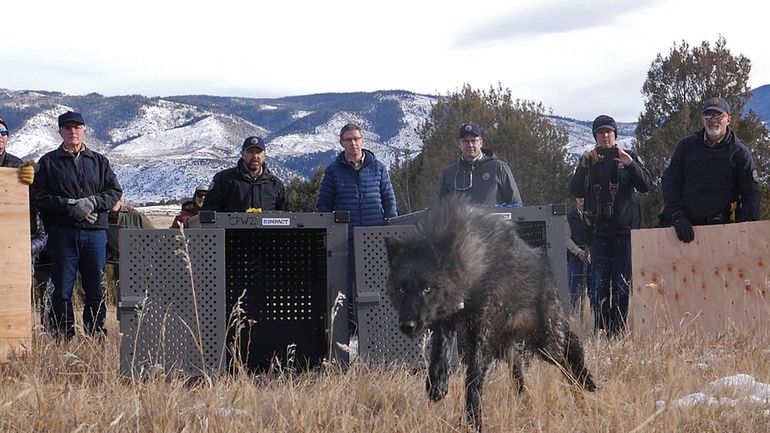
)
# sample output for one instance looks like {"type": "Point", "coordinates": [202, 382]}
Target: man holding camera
{"type": "Point", "coordinates": [608, 178]}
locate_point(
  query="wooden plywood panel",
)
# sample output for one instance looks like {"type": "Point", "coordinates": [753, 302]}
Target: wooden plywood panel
{"type": "Point", "coordinates": [15, 266]}
{"type": "Point", "coordinates": [720, 280]}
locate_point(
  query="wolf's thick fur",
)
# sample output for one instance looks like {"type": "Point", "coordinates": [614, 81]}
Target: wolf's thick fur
{"type": "Point", "coordinates": [466, 271]}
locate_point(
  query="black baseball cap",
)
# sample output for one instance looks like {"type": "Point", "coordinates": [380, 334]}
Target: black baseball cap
{"type": "Point", "coordinates": [253, 141]}
{"type": "Point", "coordinates": [718, 104]}
{"type": "Point", "coordinates": [71, 117]}
{"type": "Point", "coordinates": [469, 128]}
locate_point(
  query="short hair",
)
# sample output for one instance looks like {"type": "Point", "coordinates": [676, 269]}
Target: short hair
{"type": "Point", "coordinates": [351, 127]}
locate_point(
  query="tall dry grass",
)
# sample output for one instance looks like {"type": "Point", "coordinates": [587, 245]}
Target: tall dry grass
{"type": "Point", "coordinates": [55, 387]}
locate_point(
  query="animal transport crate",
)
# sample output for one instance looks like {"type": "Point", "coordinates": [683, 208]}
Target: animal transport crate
{"type": "Point", "coordinates": [379, 338]}
{"type": "Point", "coordinates": [256, 288]}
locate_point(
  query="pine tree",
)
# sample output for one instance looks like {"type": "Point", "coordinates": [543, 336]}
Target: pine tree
{"type": "Point", "coordinates": [302, 194]}
{"type": "Point", "coordinates": [674, 91]}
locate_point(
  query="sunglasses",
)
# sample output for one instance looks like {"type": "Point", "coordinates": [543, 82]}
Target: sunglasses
{"type": "Point", "coordinates": [4, 132]}
{"type": "Point", "coordinates": [717, 117]}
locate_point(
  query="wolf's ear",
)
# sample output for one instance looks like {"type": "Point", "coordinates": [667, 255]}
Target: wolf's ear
{"type": "Point", "coordinates": [393, 247]}
{"type": "Point", "coordinates": [445, 249]}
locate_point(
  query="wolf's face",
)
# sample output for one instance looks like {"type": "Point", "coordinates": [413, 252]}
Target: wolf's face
{"type": "Point", "coordinates": [421, 289]}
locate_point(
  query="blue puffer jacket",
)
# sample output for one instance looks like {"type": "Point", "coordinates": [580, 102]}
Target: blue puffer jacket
{"type": "Point", "coordinates": [367, 193]}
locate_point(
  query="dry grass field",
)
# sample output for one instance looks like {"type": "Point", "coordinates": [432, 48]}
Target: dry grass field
{"type": "Point", "coordinates": [76, 387]}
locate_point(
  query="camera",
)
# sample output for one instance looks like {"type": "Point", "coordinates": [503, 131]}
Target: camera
{"type": "Point", "coordinates": [611, 152]}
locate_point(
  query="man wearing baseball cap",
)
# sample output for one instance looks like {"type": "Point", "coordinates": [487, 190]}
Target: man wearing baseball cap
{"type": "Point", "coordinates": [711, 178]}
{"type": "Point", "coordinates": [247, 185]}
{"type": "Point", "coordinates": [478, 174]}
{"type": "Point", "coordinates": [609, 179]}
{"type": "Point", "coordinates": [74, 189]}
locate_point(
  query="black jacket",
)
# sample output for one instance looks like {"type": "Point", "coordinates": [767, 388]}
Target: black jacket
{"type": "Point", "coordinates": [234, 190]}
{"type": "Point", "coordinates": [702, 181]}
{"type": "Point", "coordinates": [8, 160]}
{"type": "Point", "coordinates": [57, 180]}
{"type": "Point", "coordinates": [610, 215]}
{"type": "Point", "coordinates": [581, 232]}
{"type": "Point", "coordinates": [485, 182]}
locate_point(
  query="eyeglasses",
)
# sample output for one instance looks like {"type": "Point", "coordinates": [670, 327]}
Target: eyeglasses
{"type": "Point", "coordinates": [710, 117]}
{"type": "Point", "coordinates": [470, 142]}
{"type": "Point", "coordinates": [470, 179]}
{"type": "Point", "coordinates": [4, 132]}
{"type": "Point", "coordinates": [351, 139]}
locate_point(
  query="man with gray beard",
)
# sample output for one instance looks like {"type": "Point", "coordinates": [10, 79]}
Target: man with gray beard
{"type": "Point", "coordinates": [711, 178]}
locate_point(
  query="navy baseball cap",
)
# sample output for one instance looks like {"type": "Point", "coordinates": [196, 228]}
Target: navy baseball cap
{"type": "Point", "coordinates": [253, 141]}
{"type": "Point", "coordinates": [71, 117]}
{"type": "Point", "coordinates": [718, 104]}
{"type": "Point", "coordinates": [469, 128]}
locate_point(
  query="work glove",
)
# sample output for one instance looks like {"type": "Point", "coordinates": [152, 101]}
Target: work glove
{"type": "Point", "coordinates": [27, 172]}
{"type": "Point", "coordinates": [589, 158]}
{"type": "Point", "coordinates": [79, 208]}
{"type": "Point", "coordinates": [92, 217]}
{"type": "Point", "coordinates": [683, 227]}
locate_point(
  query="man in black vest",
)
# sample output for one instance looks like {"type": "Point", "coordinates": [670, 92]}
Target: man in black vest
{"type": "Point", "coordinates": [608, 177]}
{"type": "Point", "coordinates": [578, 258]}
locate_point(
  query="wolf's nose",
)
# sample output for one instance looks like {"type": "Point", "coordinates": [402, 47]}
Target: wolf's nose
{"type": "Point", "coordinates": [408, 327]}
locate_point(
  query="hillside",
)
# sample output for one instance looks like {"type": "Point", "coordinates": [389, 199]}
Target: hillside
{"type": "Point", "coordinates": [161, 148]}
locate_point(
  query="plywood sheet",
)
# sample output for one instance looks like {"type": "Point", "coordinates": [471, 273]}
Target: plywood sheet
{"type": "Point", "coordinates": [15, 266]}
{"type": "Point", "coordinates": [720, 280]}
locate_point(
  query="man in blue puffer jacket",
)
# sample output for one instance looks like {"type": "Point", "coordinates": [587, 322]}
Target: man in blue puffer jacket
{"type": "Point", "coordinates": [358, 183]}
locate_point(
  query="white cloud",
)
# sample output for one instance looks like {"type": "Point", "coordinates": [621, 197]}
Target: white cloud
{"type": "Point", "coordinates": [580, 58]}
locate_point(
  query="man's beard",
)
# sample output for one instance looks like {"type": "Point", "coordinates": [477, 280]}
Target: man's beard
{"type": "Point", "coordinates": [714, 131]}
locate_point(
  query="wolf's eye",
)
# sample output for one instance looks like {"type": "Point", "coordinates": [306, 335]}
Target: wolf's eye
{"type": "Point", "coordinates": [426, 290]}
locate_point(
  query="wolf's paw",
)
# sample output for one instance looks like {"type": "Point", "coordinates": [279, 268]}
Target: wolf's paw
{"type": "Point", "coordinates": [437, 390]}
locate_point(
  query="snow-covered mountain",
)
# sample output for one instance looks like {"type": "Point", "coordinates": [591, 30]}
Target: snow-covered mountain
{"type": "Point", "coordinates": [162, 148]}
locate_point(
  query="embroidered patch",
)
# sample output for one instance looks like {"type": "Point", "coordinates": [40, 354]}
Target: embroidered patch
{"type": "Point", "coordinates": [485, 176]}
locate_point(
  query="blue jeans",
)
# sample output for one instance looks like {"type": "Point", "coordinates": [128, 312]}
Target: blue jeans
{"type": "Point", "coordinates": [611, 265]}
{"type": "Point", "coordinates": [576, 271]}
{"type": "Point", "coordinates": [76, 250]}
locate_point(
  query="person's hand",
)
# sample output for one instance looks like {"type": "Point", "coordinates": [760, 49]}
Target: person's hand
{"type": "Point", "coordinates": [79, 208]}
{"type": "Point", "coordinates": [623, 157]}
{"type": "Point", "coordinates": [683, 227]}
{"type": "Point", "coordinates": [27, 172]}
{"type": "Point", "coordinates": [589, 158]}
{"type": "Point", "coordinates": [92, 217]}
{"type": "Point", "coordinates": [583, 255]}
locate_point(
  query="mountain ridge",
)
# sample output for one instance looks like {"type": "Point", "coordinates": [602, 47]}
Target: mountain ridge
{"type": "Point", "coordinates": [163, 147]}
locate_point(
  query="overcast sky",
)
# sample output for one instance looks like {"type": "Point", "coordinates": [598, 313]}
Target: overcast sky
{"type": "Point", "coordinates": [580, 58]}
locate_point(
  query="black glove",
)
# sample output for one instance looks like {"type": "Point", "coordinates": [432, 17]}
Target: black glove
{"type": "Point", "coordinates": [683, 227]}
{"type": "Point", "coordinates": [79, 208]}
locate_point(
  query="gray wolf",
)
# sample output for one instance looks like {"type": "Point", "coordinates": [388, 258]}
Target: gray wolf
{"type": "Point", "coordinates": [466, 272]}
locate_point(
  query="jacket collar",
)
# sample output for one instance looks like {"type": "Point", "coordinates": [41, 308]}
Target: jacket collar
{"type": "Point", "coordinates": [62, 152]}
{"type": "Point", "coordinates": [369, 158]}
